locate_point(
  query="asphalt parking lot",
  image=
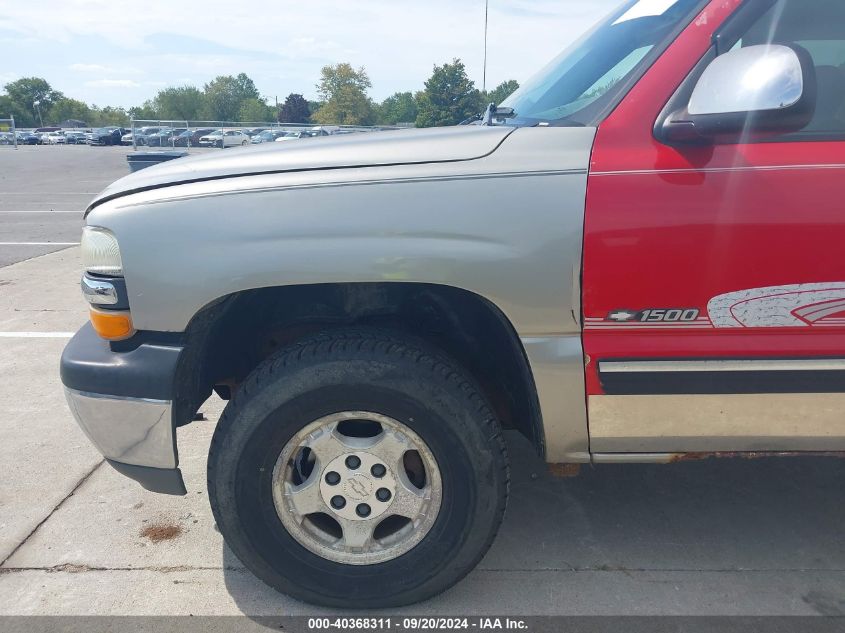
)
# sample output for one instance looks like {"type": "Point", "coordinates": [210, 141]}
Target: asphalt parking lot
{"type": "Point", "coordinates": [737, 537]}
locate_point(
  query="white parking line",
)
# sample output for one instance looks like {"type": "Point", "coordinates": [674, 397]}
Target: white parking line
{"type": "Point", "coordinates": [39, 243]}
{"type": "Point", "coordinates": [36, 334]}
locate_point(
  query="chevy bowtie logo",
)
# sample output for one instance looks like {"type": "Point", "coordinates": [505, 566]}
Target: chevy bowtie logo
{"type": "Point", "coordinates": [621, 315]}
{"type": "Point", "coordinates": [358, 487]}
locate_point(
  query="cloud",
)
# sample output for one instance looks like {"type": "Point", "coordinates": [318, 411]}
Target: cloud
{"type": "Point", "coordinates": [104, 70]}
{"type": "Point", "coordinates": [88, 68]}
{"type": "Point", "coordinates": [194, 40]}
{"type": "Point", "coordinates": [112, 83]}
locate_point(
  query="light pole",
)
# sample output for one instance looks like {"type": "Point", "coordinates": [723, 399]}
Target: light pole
{"type": "Point", "coordinates": [484, 76]}
{"type": "Point", "coordinates": [37, 105]}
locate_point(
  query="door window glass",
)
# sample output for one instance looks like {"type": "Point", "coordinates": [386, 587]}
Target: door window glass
{"type": "Point", "coordinates": [819, 28]}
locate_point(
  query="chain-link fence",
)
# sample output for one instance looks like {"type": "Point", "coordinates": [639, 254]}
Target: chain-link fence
{"type": "Point", "coordinates": [152, 134]}
{"type": "Point", "coordinates": [8, 133]}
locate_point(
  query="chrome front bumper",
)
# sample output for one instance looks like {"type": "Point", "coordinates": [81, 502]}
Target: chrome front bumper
{"type": "Point", "coordinates": [135, 431]}
{"type": "Point", "coordinates": [123, 401]}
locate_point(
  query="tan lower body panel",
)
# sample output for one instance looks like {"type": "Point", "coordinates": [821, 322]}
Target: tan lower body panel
{"type": "Point", "coordinates": [705, 423]}
{"type": "Point", "coordinates": [557, 363]}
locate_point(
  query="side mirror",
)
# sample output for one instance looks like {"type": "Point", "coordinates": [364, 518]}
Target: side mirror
{"type": "Point", "coordinates": [762, 89]}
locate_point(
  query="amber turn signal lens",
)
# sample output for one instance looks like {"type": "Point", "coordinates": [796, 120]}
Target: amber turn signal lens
{"type": "Point", "coordinates": [112, 326]}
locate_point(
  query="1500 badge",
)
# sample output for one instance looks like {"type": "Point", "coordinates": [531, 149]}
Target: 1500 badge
{"type": "Point", "coordinates": [654, 315]}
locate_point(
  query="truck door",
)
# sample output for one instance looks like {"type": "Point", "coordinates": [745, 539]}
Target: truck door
{"type": "Point", "coordinates": [714, 273]}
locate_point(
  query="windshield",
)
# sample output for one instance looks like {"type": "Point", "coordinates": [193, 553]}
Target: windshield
{"type": "Point", "coordinates": [579, 83]}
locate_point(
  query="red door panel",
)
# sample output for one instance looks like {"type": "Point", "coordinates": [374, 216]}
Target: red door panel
{"type": "Point", "coordinates": [689, 228]}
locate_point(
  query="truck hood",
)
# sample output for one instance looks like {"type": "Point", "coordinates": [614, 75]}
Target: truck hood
{"type": "Point", "coordinates": [399, 147]}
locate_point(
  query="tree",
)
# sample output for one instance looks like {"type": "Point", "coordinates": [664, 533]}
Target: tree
{"type": "Point", "coordinates": [344, 93]}
{"type": "Point", "coordinates": [255, 111]}
{"type": "Point", "coordinates": [501, 92]}
{"type": "Point", "coordinates": [7, 108]}
{"type": "Point", "coordinates": [65, 108]}
{"type": "Point", "coordinates": [313, 106]}
{"type": "Point", "coordinates": [449, 97]}
{"type": "Point", "coordinates": [109, 115]}
{"type": "Point", "coordinates": [295, 109]}
{"type": "Point", "coordinates": [24, 92]}
{"type": "Point", "coordinates": [400, 107]}
{"type": "Point", "coordinates": [225, 95]}
{"type": "Point", "coordinates": [145, 111]}
{"type": "Point", "coordinates": [184, 103]}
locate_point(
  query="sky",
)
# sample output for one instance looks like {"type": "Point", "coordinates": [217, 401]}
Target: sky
{"type": "Point", "coordinates": [113, 52]}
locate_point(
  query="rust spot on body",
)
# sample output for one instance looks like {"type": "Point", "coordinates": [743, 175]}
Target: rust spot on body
{"type": "Point", "coordinates": [692, 457]}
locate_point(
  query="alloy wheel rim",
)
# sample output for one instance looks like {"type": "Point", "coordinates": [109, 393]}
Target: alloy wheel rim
{"type": "Point", "coordinates": [357, 488]}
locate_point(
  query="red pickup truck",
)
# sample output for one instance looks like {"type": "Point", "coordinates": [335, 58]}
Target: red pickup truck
{"type": "Point", "coordinates": [637, 257]}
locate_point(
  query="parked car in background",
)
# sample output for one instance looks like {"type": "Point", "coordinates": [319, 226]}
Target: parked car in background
{"type": "Point", "coordinates": [54, 138]}
{"type": "Point", "coordinates": [74, 137]}
{"type": "Point", "coordinates": [297, 134]}
{"type": "Point", "coordinates": [319, 130]}
{"type": "Point", "coordinates": [140, 135]}
{"type": "Point", "coordinates": [169, 139]}
{"type": "Point", "coordinates": [227, 138]}
{"type": "Point", "coordinates": [7, 138]}
{"type": "Point", "coordinates": [110, 135]}
{"type": "Point", "coordinates": [27, 138]}
{"type": "Point", "coordinates": [267, 136]}
{"type": "Point", "coordinates": [163, 138]}
{"type": "Point", "coordinates": [154, 138]}
{"type": "Point", "coordinates": [191, 138]}
{"type": "Point", "coordinates": [292, 136]}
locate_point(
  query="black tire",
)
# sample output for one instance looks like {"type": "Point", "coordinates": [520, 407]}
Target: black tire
{"type": "Point", "coordinates": [359, 370]}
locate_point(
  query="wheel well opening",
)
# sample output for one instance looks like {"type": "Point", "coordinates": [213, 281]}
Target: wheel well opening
{"type": "Point", "coordinates": [228, 339]}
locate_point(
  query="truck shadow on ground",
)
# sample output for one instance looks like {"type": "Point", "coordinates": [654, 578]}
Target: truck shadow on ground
{"type": "Point", "coordinates": [765, 515]}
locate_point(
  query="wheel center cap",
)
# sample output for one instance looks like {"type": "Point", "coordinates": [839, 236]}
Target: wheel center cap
{"type": "Point", "coordinates": [358, 486]}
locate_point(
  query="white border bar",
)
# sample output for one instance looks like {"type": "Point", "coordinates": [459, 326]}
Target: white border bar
{"type": "Point", "coordinates": [39, 243]}
{"type": "Point", "coordinates": [36, 334]}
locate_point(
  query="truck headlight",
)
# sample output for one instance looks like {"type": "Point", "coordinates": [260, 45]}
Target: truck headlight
{"type": "Point", "coordinates": [100, 252]}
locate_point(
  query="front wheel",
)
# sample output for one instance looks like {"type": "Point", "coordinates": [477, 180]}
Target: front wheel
{"type": "Point", "coordinates": [358, 469]}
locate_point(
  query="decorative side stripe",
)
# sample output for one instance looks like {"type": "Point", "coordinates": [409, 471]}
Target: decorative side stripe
{"type": "Point", "coordinates": [649, 366]}
{"type": "Point", "coordinates": [597, 323]}
{"type": "Point", "coordinates": [715, 170]}
{"type": "Point", "coordinates": [804, 305]}
{"type": "Point", "coordinates": [729, 376]}
{"type": "Point", "coordinates": [795, 305]}
{"type": "Point", "coordinates": [655, 328]}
